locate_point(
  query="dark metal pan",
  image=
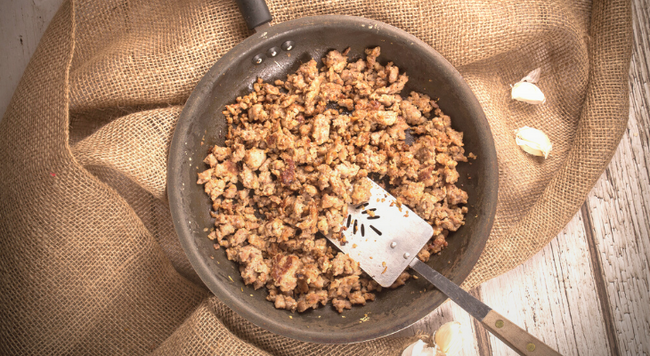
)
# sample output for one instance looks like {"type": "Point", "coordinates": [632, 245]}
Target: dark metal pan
{"type": "Point", "coordinates": [271, 53]}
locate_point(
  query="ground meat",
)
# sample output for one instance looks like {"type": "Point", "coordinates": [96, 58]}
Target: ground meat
{"type": "Point", "coordinates": [297, 153]}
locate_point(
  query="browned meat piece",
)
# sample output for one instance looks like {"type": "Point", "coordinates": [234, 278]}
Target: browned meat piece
{"type": "Point", "coordinates": [210, 160]}
{"type": "Point", "coordinates": [321, 129]}
{"type": "Point", "coordinates": [422, 101]}
{"type": "Point", "coordinates": [456, 195]}
{"type": "Point", "coordinates": [357, 298]}
{"type": "Point", "coordinates": [401, 280]}
{"type": "Point", "coordinates": [248, 178]}
{"type": "Point", "coordinates": [342, 264]}
{"type": "Point", "coordinates": [257, 113]}
{"type": "Point", "coordinates": [272, 89]}
{"type": "Point", "coordinates": [411, 193]}
{"type": "Point", "coordinates": [221, 153]}
{"type": "Point", "coordinates": [253, 270]}
{"type": "Point", "coordinates": [274, 228]}
{"type": "Point", "coordinates": [254, 158]}
{"type": "Point", "coordinates": [227, 170]}
{"type": "Point", "coordinates": [257, 241]}
{"type": "Point", "coordinates": [230, 192]}
{"type": "Point", "coordinates": [448, 218]}
{"type": "Point", "coordinates": [310, 190]}
{"type": "Point", "coordinates": [341, 304]}
{"type": "Point", "coordinates": [238, 153]}
{"type": "Point", "coordinates": [308, 70]}
{"type": "Point", "coordinates": [438, 243]}
{"type": "Point", "coordinates": [296, 154]}
{"type": "Point", "coordinates": [331, 92]}
{"type": "Point", "coordinates": [204, 176]}
{"type": "Point", "coordinates": [335, 60]}
{"type": "Point", "coordinates": [393, 72]}
{"type": "Point", "coordinates": [395, 87]}
{"type": "Point", "coordinates": [424, 254]}
{"type": "Point", "coordinates": [341, 287]}
{"type": "Point", "coordinates": [361, 192]}
{"type": "Point", "coordinates": [457, 154]}
{"type": "Point", "coordinates": [330, 201]}
{"type": "Point", "coordinates": [386, 118]}
{"type": "Point", "coordinates": [371, 56]}
{"type": "Point", "coordinates": [285, 302]}
{"type": "Point", "coordinates": [284, 271]}
{"type": "Point", "coordinates": [451, 175]}
{"type": "Point", "coordinates": [455, 136]}
{"type": "Point", "coordinates": [311, 300]}
{"type": "Point", "coordinates": [412, 114]}
{"type": "Point", "coordinates": [238, 238]}
{"type": "Point", "coordinates": [347, 169]}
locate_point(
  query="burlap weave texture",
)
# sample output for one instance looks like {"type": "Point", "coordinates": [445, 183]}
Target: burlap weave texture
{"type": "Point", "coordinates": [89, 260]}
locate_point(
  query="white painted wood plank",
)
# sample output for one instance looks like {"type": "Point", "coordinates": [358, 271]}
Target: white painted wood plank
{"type": "Point", "coordinates": [619, 207]}
{"type": "Point", "coordinates": [22, 23]}
{"type": "Point", "coordinates": [553, 296]}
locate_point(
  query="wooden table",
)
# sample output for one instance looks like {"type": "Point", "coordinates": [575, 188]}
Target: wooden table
{"type": "Point", "coordinates": [586, 293]}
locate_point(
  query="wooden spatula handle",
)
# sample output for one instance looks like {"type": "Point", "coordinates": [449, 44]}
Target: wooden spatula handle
{"type": "Point", "coordinates": [515, 337]}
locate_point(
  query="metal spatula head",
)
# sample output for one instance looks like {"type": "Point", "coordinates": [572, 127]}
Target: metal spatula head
{"type": "Point", "coordinates": [383, 236]}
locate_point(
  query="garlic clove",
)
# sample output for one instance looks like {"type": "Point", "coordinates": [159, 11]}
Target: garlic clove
{"type": "Point", "coordinates": [414, 349]}
{"type": "Point", "coordinates": [528, 93]}
{"type": "Point", "coordinates": [449, 338]}
{"type": "Point", "coordinates": [533, 141]}
{"type": "Point", "coordinates": [429, 351]}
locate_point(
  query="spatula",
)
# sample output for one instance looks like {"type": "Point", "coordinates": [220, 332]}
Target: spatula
{"type": "Point", "coordinates": [385, 238]}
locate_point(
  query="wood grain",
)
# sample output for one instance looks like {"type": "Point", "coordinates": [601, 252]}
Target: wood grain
{"type": "Point", "coordinates": [22, 24]}
{"type": "Point", "coordinates": [619, 206]}
{"type": "Point", "coordinates": [553, 296]}
{"type": "Point", "coordinates": [601, 287]}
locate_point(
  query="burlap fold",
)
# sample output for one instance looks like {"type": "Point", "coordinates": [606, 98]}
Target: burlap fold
{"type": "Point", "coordinates": [89, 260]}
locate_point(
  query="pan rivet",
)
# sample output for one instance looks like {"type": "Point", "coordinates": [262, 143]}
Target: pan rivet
{"type": "Point", "coordinates": [393, 244]}
{"type": "Point", "coordinates": [530, 347]}
{"type": "Point", "coordinates": [273, 51]}
{"type": "Point", "coordinates": [258, 59]}
{"type": "Point", "coordinates": [499, 323]}
{"type": "Point", "coordinates": [287, 46]}
{"type": "Point", "coordinates": [406, 255]}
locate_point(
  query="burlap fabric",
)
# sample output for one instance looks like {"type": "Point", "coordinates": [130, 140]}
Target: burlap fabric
{"type": "Point", "coordinates": [89, 259]}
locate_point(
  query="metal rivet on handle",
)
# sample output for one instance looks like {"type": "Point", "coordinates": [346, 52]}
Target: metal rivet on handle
{"type": "Point", "coordinates": [258, 59]}
{"type": "Point", "coordinates": [288, 45]}
{"type": "Point", "coordinates": [530, 347]}
{"type": "Point", "coordinates": [393, 244]}
{"type": "Point", "coordinates": [406, 255]}
{"type": "Point", "coordinates": [499, 323]}
{"type": "Point", "coordinates": [273, 51]}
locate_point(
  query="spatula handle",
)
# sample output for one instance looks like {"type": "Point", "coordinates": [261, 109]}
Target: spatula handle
{"type": "Point", "coordinates": [511, 334]}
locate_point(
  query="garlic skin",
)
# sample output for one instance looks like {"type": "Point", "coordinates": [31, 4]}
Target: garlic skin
{"type": "Point", "coordinates": [420, 348]}
{"type": "Point", "coordinates": [533, 76]}
{"type": "Point", "coordinates": [525, 90]}
{"type": "Point", "coordinates": [414, 349]}
{"type": "Point", "coordinates": [533, 141]}
{"type": "Point", "coordinates": [449, 338]}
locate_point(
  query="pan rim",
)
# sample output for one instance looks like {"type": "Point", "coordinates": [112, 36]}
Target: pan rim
{"type": "Point", "coordinates": [179, 217]}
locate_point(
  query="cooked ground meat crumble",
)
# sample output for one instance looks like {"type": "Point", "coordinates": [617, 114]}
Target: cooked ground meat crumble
{"type": "Point", "coordinates": [295, 155]}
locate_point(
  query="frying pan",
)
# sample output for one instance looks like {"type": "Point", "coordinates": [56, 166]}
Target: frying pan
{"type": "Point", "coordinates": [272, 53]}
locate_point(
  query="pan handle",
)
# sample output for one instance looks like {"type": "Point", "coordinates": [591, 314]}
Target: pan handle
{"type": "Point", "coordinates": [255, 12]}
